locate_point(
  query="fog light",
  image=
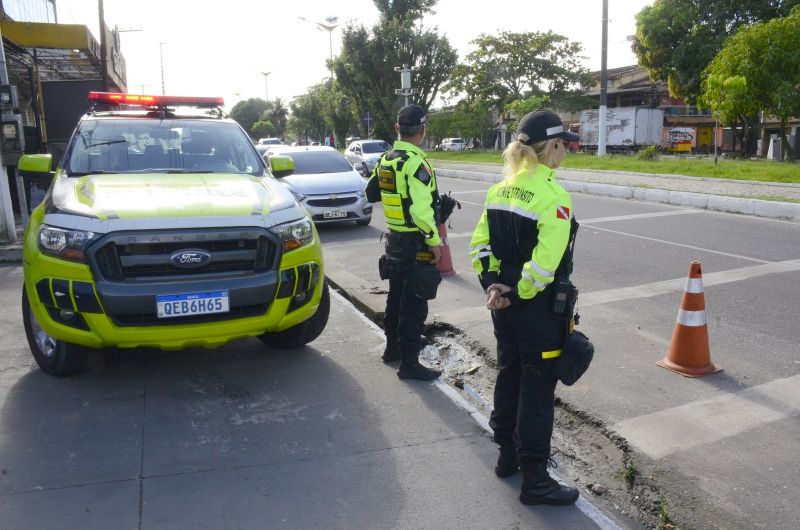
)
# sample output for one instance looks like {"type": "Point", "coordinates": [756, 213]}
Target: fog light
{"type": "Point", "coordinates": [66, 316]}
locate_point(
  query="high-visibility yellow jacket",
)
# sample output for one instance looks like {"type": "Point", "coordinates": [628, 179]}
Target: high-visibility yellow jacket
{"type": "Point", "coordinates": [523, 233]}
{"type": "Point", "coordinates": [408, 191]}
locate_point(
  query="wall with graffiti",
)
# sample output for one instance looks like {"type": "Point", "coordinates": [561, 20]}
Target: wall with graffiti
{"type": "Point", "coordinates": [679, 139]}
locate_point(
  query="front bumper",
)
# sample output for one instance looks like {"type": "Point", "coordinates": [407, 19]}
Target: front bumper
{"type": "Point", "coordinates": [74, 305]}
{"type": "Point", "coordinates": [347, 207]}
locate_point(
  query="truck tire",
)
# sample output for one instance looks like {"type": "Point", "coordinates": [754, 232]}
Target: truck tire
{"type": "Point", "coordinates": [304, 332]}
{"type": "Point", "coordinates": [53, 356]}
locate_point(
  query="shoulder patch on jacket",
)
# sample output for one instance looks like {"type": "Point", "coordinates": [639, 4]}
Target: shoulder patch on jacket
{"type": "Point", "coordinates": [422, 174]}
{"type": "Point", "coordinates": [562, 212]}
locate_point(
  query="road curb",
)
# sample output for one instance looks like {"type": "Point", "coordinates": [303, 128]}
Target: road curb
{"type": "Point", "coordinates": [787, 211]}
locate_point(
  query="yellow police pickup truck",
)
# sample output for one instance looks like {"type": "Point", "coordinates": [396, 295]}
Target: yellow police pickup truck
{"type": "Point", "coordinates": [164, 228]}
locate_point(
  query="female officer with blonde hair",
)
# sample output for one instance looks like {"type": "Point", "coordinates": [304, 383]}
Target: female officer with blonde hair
{"type": "Point", "coordinates": [518, 248]}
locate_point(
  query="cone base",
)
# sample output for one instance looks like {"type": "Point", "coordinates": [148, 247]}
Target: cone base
{"type": "Point", "coordinates": [447, 273]}
{"type": "Point", "coordinates": [688, 371]}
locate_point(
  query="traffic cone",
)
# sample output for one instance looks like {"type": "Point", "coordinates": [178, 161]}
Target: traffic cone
{"type": "Point", "coordinates": [445, 264]}
{"type": "Point", "coordinates": [688, 352]}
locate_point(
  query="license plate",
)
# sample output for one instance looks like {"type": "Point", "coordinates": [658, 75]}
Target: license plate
{"type": "Point", "coordinates": [181, 305]}
{"type": "Point", "coordinates": [334, 214]}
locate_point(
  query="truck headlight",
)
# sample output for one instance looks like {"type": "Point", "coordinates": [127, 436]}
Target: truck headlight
{"type": "Point", "coordinates": [64, 243]}
{"type": "Point", "coordinates": [295, 234]}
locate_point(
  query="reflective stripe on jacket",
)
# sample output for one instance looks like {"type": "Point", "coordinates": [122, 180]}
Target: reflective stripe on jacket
{"type": "Point", "coordinates": [408, 191]}
{"type": "Point", "coordinates": [523, 232]}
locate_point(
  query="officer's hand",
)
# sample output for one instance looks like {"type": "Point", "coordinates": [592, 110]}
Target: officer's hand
{"type": "Point", "coordinates": [495, 299]}
{"type": "Point", "coordinates": [437, 254]}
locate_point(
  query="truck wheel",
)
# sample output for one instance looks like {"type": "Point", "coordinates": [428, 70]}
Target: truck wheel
{"type": "Point", "coordinates": [53, 356]}
{"type": "Point", "coordinates": [304, 332]}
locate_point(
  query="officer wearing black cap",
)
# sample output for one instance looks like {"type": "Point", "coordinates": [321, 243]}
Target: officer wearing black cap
{"type": "Point", "coordinates": [518, 248]}
{"type": "Point", "coordinates": [406, 184]}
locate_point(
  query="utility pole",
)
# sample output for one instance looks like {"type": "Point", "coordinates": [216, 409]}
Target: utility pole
{"type": "Point", "coordinates": [161, 53]}
{"type": "Point", "coordinates": [7, 222]}
{"type": "Point", "coordinates": [103, 46]}
{"type": "Point", "coordinates": [601, 140]}
{"type": "Point", "coordinates": [405, 82]}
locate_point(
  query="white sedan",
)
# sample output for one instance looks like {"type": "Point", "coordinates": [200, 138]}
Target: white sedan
{"type": "Point", "coordinates": [326, 184]}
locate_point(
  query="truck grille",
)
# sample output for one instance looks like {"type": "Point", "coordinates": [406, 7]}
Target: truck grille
{"type": "Point", "coordinates": [142, 256]}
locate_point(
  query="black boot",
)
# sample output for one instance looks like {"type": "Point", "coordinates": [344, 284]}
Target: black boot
{"type": "Point", "coordinates": [392, 352]}
{"type": "Point", "coordinates": [538, 487]}
{"type": "Point", "coordinates": [507, 462]}
{"type": "Point", "coordinates": [410, 368]}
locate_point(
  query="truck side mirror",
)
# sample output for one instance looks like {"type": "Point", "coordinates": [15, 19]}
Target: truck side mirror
{"type": "Point", "coordinates": [281, 166]}
{"type": "Point", "coordinates": [35, 166]}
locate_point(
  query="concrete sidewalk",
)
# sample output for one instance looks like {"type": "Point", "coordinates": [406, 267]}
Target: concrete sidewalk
{"type": "Point", "coordinates": [725, 195]}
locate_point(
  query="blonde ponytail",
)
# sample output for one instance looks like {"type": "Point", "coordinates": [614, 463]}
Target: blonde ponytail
{"type": "Point", "coordinates": [518, 156]}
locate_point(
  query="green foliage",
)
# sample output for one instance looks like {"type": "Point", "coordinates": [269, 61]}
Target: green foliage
{"type": "Point", "coordinates": [663, 518]}
{"type": "Point", "coordinates": [521, 107]}
{"type": "Point", "coordinates": [466, 120]}
{"type": "Point", "coordinates": [247, 112]}
{"type": "Point", "coordinates": [404, 9]}
{"type": "Point", "coordinates": [512, 66]}
{"type": "Point", "coordinates": [758, 67]}
{"type": "Point", "coordinates": [676, 39]}
{"type": "Point", "coordinates": [365, 68]}
{"type": "Point", "coordinates": [337, 111]}
{"type": "Point", "coordinates": [307, 119]}
{"type": "Point", "coordinates": [650, 152]}
{"type": "Point", "coordinates": [262, 129]}
{"type": "Point", "coordinates": [629, 474]}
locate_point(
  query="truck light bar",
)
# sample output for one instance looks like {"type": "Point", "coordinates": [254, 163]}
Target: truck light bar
{"type": "Point", "coordinates": [117, 98]}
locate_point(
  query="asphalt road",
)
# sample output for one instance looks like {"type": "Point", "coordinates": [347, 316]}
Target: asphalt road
{"type": "Point", "coordinates": [244, 437]}
{"type": "Point", "coordinates": [725, 442]}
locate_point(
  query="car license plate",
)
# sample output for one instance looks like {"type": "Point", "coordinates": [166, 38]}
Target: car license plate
{"type": "Point", "coordinates": [181, 305]}
{"type": "Point", "coordinates": [334, 214]}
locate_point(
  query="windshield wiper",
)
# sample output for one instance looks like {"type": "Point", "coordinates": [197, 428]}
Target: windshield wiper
{"type": "Point", "coordinates": [106, 143]}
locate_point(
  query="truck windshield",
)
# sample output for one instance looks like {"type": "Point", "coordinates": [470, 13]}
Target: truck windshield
{"type": "Point", "coordinates": [144, 145]}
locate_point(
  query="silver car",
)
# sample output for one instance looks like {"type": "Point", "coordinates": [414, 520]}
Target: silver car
{"type": "Point", "coordinates": [366, 152]}
{"type": "Point", "coordinates": [326, 184]}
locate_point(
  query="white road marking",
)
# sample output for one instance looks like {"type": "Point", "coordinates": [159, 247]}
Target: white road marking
{"type": "Point", "coordinates": [585, 506]}
{"type": "Point", "coordinates": [638, 216]}
{"type": "Point", "coordinates": [673, 243]}
{"type": "Point", "coordinates": [706, 421]}
{"type": "Point", "coordinates": [678, 284]}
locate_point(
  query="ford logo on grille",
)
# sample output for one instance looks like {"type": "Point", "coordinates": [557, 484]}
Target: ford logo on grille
{"type": "Point", "coordinates": [190, 259]}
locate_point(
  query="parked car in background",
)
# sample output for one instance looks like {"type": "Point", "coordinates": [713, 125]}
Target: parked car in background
{"type": "Point", "coordinates": [366, 152]}
{"type": "Point", "coordinates": [452, 144]}
{"type": "Point", "coordinates": [270, 141]}
{"type": "Point", "coordinates": [325, 183]}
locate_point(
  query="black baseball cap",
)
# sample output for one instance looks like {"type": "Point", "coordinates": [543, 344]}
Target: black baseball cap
{"type": "Point", "coordinates": [411, 116]}
{"type": "Point", "coordinates": [544, 125]}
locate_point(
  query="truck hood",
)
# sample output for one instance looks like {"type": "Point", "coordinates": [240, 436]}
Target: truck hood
{"type": "Point", "coordinates": [325, 183]}
{"type": "Point", "coordinates": [131, 196]}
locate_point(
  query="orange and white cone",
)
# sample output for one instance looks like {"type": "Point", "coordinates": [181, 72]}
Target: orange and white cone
{"type": "Point", "coordinates": [688, 352]}
{"type": "Point", "coordinates": [445, 264]}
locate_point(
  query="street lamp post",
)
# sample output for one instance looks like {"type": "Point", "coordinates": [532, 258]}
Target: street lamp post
{"type": "Point", "coordinates": [266, 84]}
{"type": "Point", "coordinates": [601, 140]}
{"type": "Point", "coordinates": [332, 24]}
{"type": "Point", "coordinates": [161, 54]}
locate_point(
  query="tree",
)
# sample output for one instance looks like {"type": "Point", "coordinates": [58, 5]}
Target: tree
{"type": "Point", "coordinates": [277, 114]}
{"type": "Point", "coordinates": [676, 39]}
{"type": "Point", "coordinates": [262, 129]}
{"type": "Point", "coordinates": [512, 66]}
{"type": "Point", "coordinates": [338, 112]}
{"type": "Point", "coordinates": [307, 119]}
{"type": "Point", "coordinates": [468, 120]}
{"type": "Point", "coordinates": [247, 112]}
{"type": "Point", "coordinates": [365, 68]}
{"type": "Point", "coordinates": [765, 55]}
{"type": "Point", "coordinates": [521, 107]}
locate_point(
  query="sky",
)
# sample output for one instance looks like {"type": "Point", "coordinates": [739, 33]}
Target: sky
{"type": "Point", "coordinates": [220, 48]}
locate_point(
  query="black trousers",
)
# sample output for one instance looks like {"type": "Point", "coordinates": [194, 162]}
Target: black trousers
{"type": "Point", "coordinates": [524, 393]}
{"type": "Point", "coordinates": [404, 318]}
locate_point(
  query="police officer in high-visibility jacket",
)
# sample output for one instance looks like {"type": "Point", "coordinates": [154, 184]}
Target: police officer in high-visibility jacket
{"type": "Point", "coordinates": [406, 184]}
{"type": "Point", "coordinates": [518, 247]}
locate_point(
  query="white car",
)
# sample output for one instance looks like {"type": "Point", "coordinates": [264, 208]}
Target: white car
{"type": "Point", "coordinates": [367, 152]}
{"type": "Point", "coordinates": [325, 184]}
{"type": "Point", "coordinates": [452, 144]}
